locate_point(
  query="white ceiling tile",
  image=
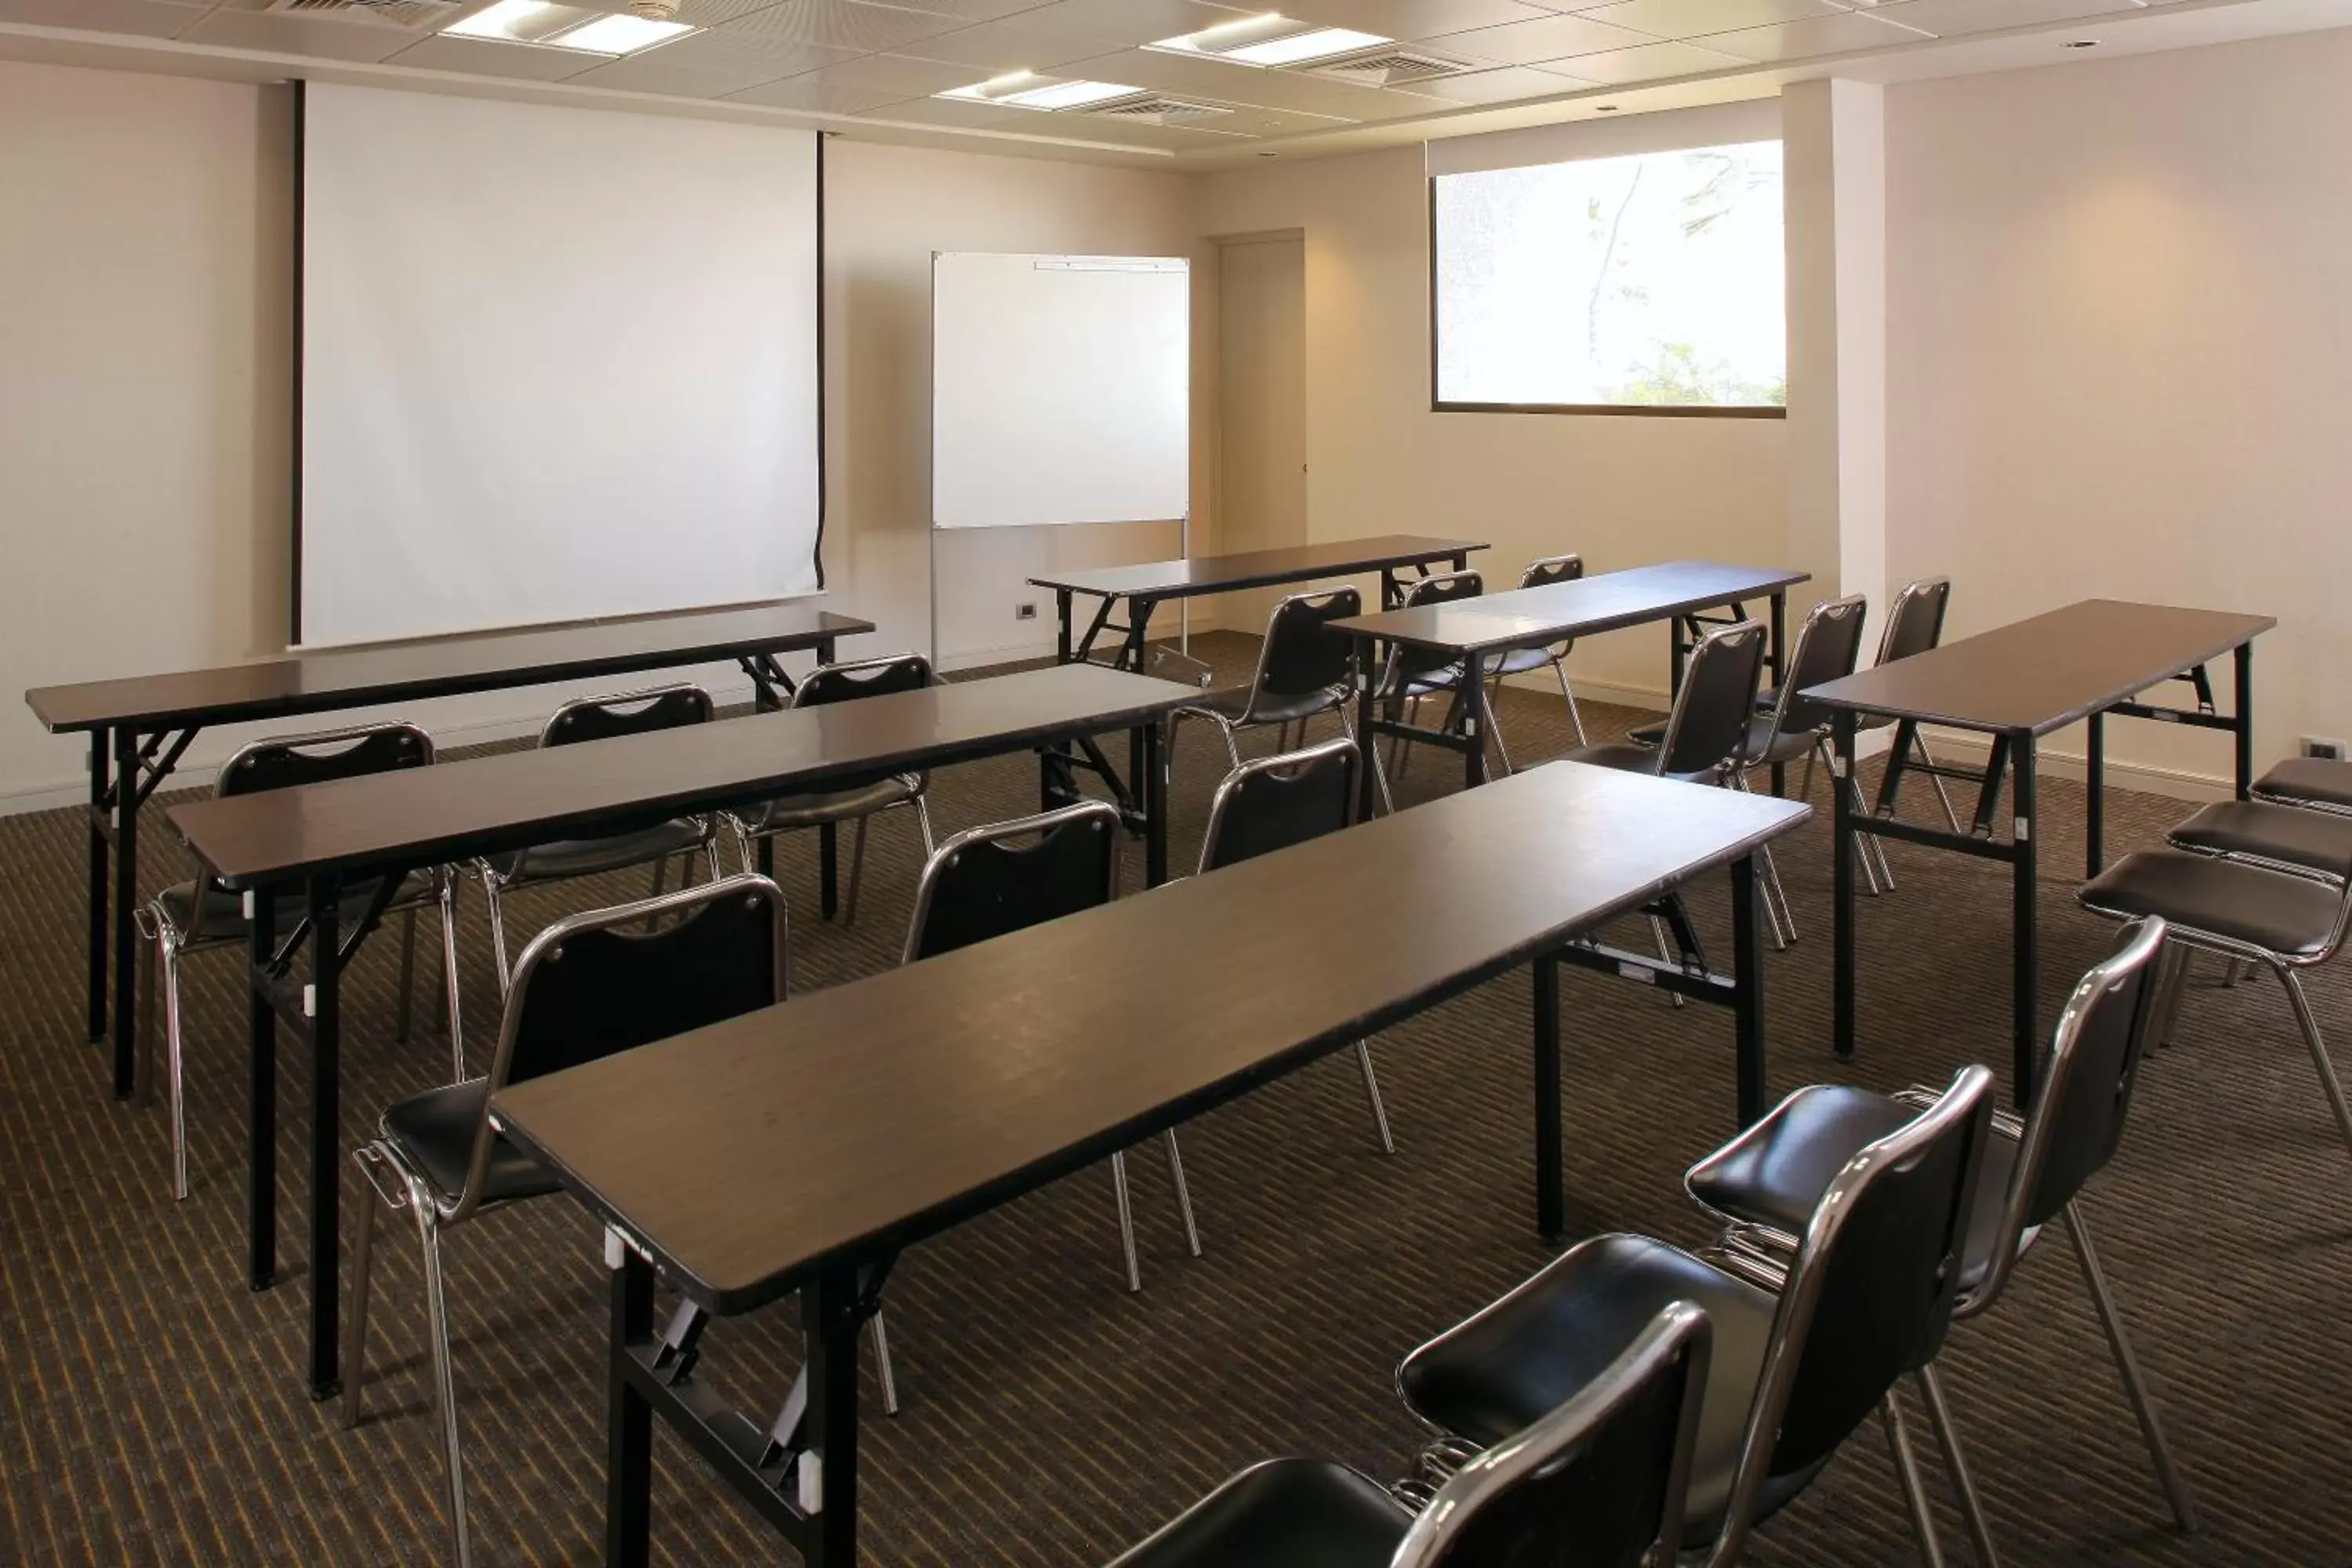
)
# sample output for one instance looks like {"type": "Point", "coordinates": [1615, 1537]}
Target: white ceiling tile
{"type": "Point", "coordinates": [1504, 84]}
{"type": "Point", "coordinates": [940, 112]}
{"type": "Point", "coordinates": [288, 33]}
{"type": "Point", "coordinates": [700, 13]}
{"type": "Point", "coordinates": [981, 10]}
{"type": "Point", "coordinates": [1815, 35]}
{"type": "Point", "coordinates": [140, 16]}
{"type": "Point", "coordinates": [846, 23]}
{"type": "Point", "coordinates": [1689, 18]}
{"type": "Point", "coordinates": [1649, 62]}
{"type": "Point", "coordinates": [713, 64]}
{"type": "Point", "coordinates": [814, 92]}
{"type": "Point", "coordinates": [1948, 17]}
{"type": "Point", "coordinates": [1015, 43]}
{"type": "Point", "coordinates": [1138, 21]}
{"type": "Point", "coordinates": [1416, 18]}
{"type": "Point", "coordinates": [491, 56]}
{"type": "Point", "coordinates": [899, 76]}
{"type": "Point", "coordinates": [1549, 38]}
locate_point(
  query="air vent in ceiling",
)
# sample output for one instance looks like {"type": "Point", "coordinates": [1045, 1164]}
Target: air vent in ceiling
{"type": "Point", "coordinates": [1390, 68]}
{"type": "Point", "coordinates": [1152, 109]}
{"type": "Point", "coordinates": [386, 12]}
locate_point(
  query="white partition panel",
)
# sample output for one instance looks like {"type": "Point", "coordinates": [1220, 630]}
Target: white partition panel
{"type": "Point", "coordinates": [556, 364]}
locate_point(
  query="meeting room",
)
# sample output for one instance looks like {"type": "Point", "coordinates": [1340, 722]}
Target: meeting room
{"type": "Point", "coordinates": [1148, 783]}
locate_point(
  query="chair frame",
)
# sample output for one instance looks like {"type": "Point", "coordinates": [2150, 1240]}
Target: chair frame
{"type": "Point", "coordinates": [1785, 702]}
{"type": "Point", "coordinates": [1339, 694]}
{"type": "Point", "coordinates": [165, 945]}
{"type": "Point", "coordinates": [1550, 570]}
{"type": "Point", "coordinates": [1909, 595]}
{"type": "Point", "coordinates": [497, 886]}
{"type": "Point", "coordinates": [1397, 688]}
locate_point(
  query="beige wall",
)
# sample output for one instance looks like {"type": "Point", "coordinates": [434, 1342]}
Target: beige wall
{"type": "Point", "coordinates": [146, 339]}
{"type": "Point", "coordinates": [1624, 491]}
{"type": "Point", "coordinates": [2119, 340]}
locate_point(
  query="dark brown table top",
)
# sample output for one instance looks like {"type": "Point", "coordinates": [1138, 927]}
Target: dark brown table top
{"type": "Point", "coordinates": [867, 1116]}
{"type": "Point", "coordinates": [486, 806]}
{"type": "Point", "coordinates": [1257, 568]}
{"type": "Point", "coordinates": [2044, 674]}
{"type": "Point", "coordinates": [311, 682]}
{"type": "Point", "coordinates": [1531, 617]}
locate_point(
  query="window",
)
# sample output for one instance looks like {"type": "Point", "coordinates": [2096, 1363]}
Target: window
{"type": "Point", "coordinates": [1646, 282]}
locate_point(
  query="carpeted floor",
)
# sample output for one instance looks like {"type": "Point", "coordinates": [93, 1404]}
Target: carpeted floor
{"type": "Point", "coordinates": [154, 1410]}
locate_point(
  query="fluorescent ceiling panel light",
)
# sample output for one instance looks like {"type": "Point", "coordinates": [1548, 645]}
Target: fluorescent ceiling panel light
{"type": "Point", "coordinates": [1070, 94]}
{"type": "Point", "coordinates": [996, 89]}
{"type": "Point", "coordinates": [520, 21]}
{"type": "Point", "coordinates": [616, 34]}
{"type": "Point", "coordinates": [1320, 44]}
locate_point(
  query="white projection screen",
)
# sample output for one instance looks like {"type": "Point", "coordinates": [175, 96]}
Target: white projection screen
{"type": "Point", "coordinates": [556, 364]}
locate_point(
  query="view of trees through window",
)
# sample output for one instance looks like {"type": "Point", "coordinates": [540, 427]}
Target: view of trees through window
{"type": "Point", "coordinates": [1648, 281]}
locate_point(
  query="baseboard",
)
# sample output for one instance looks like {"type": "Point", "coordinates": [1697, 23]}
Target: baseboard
{"type": "Point", "coordinates": [2174, 784]}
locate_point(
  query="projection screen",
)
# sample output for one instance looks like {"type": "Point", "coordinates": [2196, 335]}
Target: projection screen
{"type": "Point", "coordinates": [556, 364]}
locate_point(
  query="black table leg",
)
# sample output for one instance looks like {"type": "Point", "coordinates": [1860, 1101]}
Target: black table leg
{"type": "Point", "coordinates": [2026, 978]}
{"type": "Point", "coordinates": [1392, 590]}
{"type": "Point", "coordinates": [126, 905]}
{"type": "Point", "coordinates": [261, 1111]}
{"type": "Point", "coordinates": [832, 1316]}
{"type": "Point", "coordinates": [1779, 661]}
{"type": "Point", "coordinates": [101, 765]}
{"type": "Point", "coordinates": [2094, 814]}
{"type": "Point", "coordinates": [628, 1414]}
{"type": "Point", "coordinates": [1152, 794]}
{"type": "Point", "coordinates": [1062, 628]}
{"type": "Point", "coordinates": [1366, 714]}
{"type": "Point", "coordinates": [326, 1135]}
{"type": "Point", "coordinates": [1474, 721]}
{"type": "Point", "coordinates": [1552, 1196]}
{"type": "Point", "coordinates": [828, 870]}
{"type": "Point", "coordinates": [1843, 785]}
{"type": "Point", "coordinates": [1748, 989]}
{"type": "Point", "coordinates": [2243, 718]}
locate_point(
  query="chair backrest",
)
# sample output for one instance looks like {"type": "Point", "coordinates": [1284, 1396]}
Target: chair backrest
{"type": "Point", "coordinates": [1553, 569]}
{"type": "Point", "coordinates": [847, 683]}
{"type": "Point", "coordinates": [281, 762]}
{"type": "Point", "coordinates": [1301, 652]}
{"type": "Point", "coordinates": [626, 713]}
{"type": "Point", "coordinates": [1871, 1294]}
{"type": "Point", "coordinates": [982, 884]}
{"type": "Point", "coordinates": [1406, 665]}
{"type": "Point", "coordinates": [614, 979]}
{"type": "Point", "coordinates": [1708, 726]}
{"type": "Point", "coordinates": [1598, 1483]}
{"type": "Point", "coordinates": [1828, 647]}
{"type": "Point", "coordinates": [2083, 1093]}
{"type": "Point", "coordinates": [1916, 622]}
{"type": "Point", "coordinates": [1274, 802]}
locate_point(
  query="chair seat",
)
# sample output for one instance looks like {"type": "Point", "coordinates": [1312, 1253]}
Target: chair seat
{"type": "Point", "coordinates": [435, 1131]}
{"type": "Point", "coordinates": [1284, 1513]}
{"type": "Point", "coordinates": [1529, 1351]}
{"type": "Point", "coordinates": [835, 806]}
{"type": "Point", "coordinates": [589, 857]}
{"type": "Point", "coordinates": [1627, 758]}
{"type": "Point", "coordinates": [1758, 747]}
{"type": "Point", "coordinates": [2315, 840]}
{"type": "Point", "coordinates": [2308, 781]}
{"type": "Point", "coordinates": [1776, 1172]}
{"type": "Point", "coordinates": [222, 912]}
{"type": "Point", "coordinates": [1230, 704]}
{"type": "Point", "coordinates": [2288, 915]}
{"type": "Point", "coordinates": [1520, 660]}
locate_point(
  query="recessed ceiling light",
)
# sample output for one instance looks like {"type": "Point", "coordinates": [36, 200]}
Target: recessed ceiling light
{"type": "Point", "coordinates": [617, 34]}
{"type": "Point", "coordinates": [1271, 41]}
{"type": "Point", "coordinates": [520, 21]}
{"type": "Point", "coordinates": [2081, 44]}
{"type": "Point", "coordinates": [1070, 94]}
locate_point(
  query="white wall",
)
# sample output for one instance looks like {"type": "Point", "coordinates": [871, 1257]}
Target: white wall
{"type": "Point", "coordinates": [1624, 489]}
{"type": "Point", "coordinates": [145, 343]}
{"type": "Point", "coordinates": [2119, 339]}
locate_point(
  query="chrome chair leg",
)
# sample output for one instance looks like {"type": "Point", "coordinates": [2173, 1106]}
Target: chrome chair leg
{"type": "Point", "coordinates": [355, 1325]}
{"type": "Point", "coordinates": [147, 950]}
{"type": "Point", "coordinates": [1373, 1093]}
{"type": "Point", "coordinates": [436, 1312]}
{"type": "Point", "coordinates": [1126, 1219]}
{"type": "Point", "coordinates": [1665, 950]}
{"type": "Point", "coordinates": [882, 1362]}
{"type": "Point", "coordinates": [1923, 1523]}
{"type": "Point", "coordinates": [1948, 1438]}
{"type": "Point", "coordinates": [856, 873]}
{"type": "Point", "coordinates": [1776, 905]}
{"type": "Point", "coordinates": [1950, 816]}
{"type": "Point", "coordinates": [404, 1009]}
{"type": "Point", "coordinates": [923, 820]}
{"type": "Point", "coordinates": [1495, 728]}
{"type": "Point", "coordinates": [1379, 774]}
{"type": "Point", "coordinates": [1575, 719]}
{"type": "Point", "coordinates": [2172, 990]}
{"type": "Point", "coordinates": [1183, 1194]}
{"type": "Point", "coordinates": [1233, 746]}
{"type": "Point", "coordinates": [174, 1040]}
{"type": "Point", "coordinates": [2327, 1081]}
{"type": "Point", "coordinates": [1867, 850]}
{"type": "Point", "coordinates": [2159, 1452]}
{"type": "Point", "coordinates": [450, 999]}
{"type": "Point", "coordinates": [497, 932]}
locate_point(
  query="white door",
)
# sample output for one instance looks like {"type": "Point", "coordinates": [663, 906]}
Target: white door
{"type": "Point", "coordinates": [1262, 460]}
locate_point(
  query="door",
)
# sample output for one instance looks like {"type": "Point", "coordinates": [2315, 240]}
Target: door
{"type": "Point", "coordinates": [1262, 438]}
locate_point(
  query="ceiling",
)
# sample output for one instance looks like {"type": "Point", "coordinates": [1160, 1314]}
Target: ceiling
{"type": "Point", "coordinates": [867, 67]}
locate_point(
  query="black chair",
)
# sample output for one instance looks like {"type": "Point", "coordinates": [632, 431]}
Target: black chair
{"type": "Point", "coordinates": [602, 718]}
{"type": "Point", "coordinates": [1597, 1483]}
{"type": "Point", "coordinates": [585, 988]}
{"type": "Point", "coordinates": [1274, 803]}
{"type": "Point", "coordinates": [1915, 624]}
{"type": "Point", "coordinates": [200, 914]}
{"type": "Point", "coordinates": [1769, 1180]}
{"type": "Point", "coordinates": [1408, 675]}
{"type": "Point", "coordinates": [1304, 668]}
{"type": "Point", "coordinates": [859, 801]}
{"type": "Point", "coordinates": [1526, 660]}
{"type": "Point", "coordinates": [982, 884]}
{"type": "Point", "coordinates": [1827, 642]}
{"type": "Point", "coordinates": [2313, 783]}
{"type": "Point", "coordinates": [1797, 1362]}
{"type": "Point", "coordinates": [2284, 920]}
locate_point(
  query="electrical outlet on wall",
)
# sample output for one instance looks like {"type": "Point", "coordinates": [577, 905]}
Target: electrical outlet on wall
{"type": "Point", "coordinates": [1025, 611]}
{"type": "Point", "coordinates": [2330, 750]}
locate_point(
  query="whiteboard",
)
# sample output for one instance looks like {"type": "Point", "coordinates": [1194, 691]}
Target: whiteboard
{"type": "Point", "coordinates": [1061, 389]}
{"type": "Point", "coordinates": [557, 364]}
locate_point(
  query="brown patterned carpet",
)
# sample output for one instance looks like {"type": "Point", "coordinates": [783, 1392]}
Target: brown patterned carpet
{"type": "Point", "coordinates": [154, 1410]}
